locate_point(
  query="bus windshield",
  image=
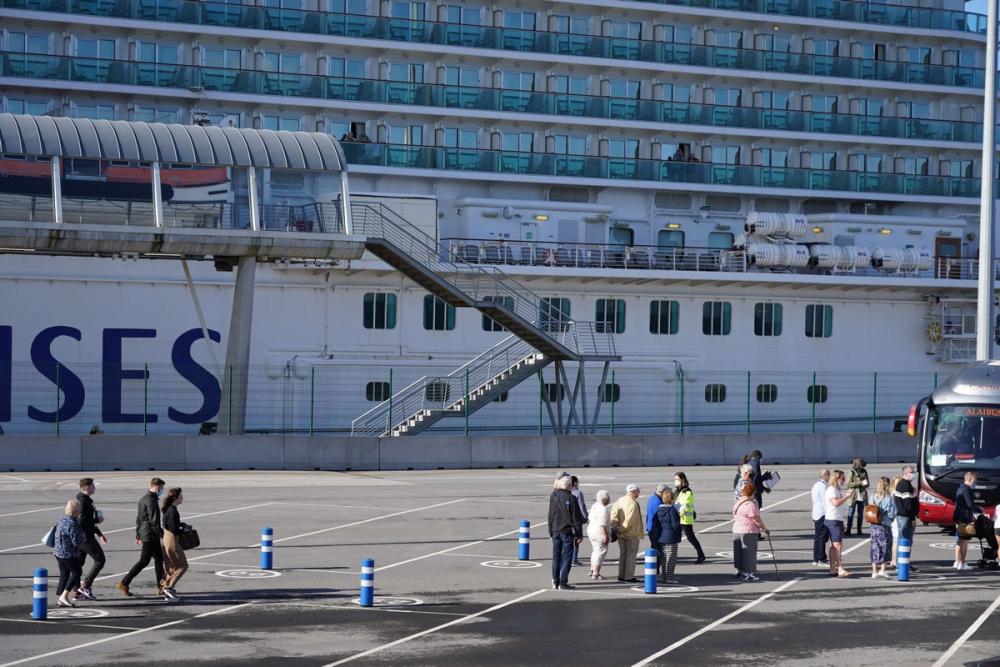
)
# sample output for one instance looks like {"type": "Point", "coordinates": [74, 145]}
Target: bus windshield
{"type": "Point", "coordinates": [963, 437]}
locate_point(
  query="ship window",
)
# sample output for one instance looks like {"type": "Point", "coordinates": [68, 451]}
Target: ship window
{"type": "Point", "coordinates": [819, 321]}
{"type": "Point", "coordinates": [554, 309]}
{"type": "Point", "coordinates": [502, 398]}
{"type": "Point", "coordinates": [438, 314]}
{"type": "Point", "coordinates": [816, 393]}
{"type": "Point", "coordinates": [767, 319]}
{"type": "Point", "coordinates": [609, 393]}
{"type": "Point", "coordinates": [716, 318]}
{"type": "Point", "coordinates": [489, 324]}
{"type": "Point", "coordinates": [609, 316]}
{"type": "Point", "coordinates": [663, 317]}
{"type": "Point", "coordinates": [773, 204]}
{"type": "Point", "coordinates": [728, 203]}
{"type": "Point", "coordinates": [767, 393]}
{"type": "Point", "coordinates": [676, 200]}
{"type": "Point", "coordinates": [715, 393]}
{"type": "Point", "coordinates": [570, 194]}
{"type": "Point", "coordinates": [720, 240]}
{"type": "Point", "coordinates": [377, 391]}
{"type": "Point", "coordinates": [438, 392]}
{"type": "Point", "coordinates": [379, 311]}
{"type": "Point", "coordinates": [670, 238]}
{"type": "Point", "coordinates": [552, 392]}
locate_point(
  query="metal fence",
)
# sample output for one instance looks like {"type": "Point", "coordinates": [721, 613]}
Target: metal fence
{"type": "Point", "coordinates": [323, 397]}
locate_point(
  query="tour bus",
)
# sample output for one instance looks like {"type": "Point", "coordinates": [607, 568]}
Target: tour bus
{"type": "Point", "coordinates": [958, 429]}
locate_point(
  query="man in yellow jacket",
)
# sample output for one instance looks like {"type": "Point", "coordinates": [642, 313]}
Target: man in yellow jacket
{"type": "Point", "coordinates": [626, 519]}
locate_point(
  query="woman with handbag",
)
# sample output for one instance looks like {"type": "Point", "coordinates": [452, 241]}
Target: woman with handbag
{"type": "Point", "coordinates": [67, 538]}
{"type": "Point", "coordinates": [965, 520]}
{"type": "Point", "coordinates": [599, 532]}
{"type": "Point", "coordinates": [881, 515]}
{"type": "Point", "coordinates": [858, 483]}
{"type": "Point", "coordinates": [174, 561]}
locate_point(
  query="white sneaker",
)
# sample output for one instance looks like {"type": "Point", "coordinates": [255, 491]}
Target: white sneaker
{"type": "Point", "coordinates": [170, 595]}
{"type": "Point", "coordinates": [963, 567]}
{"type": "Point", "coordinates": [954, 565]}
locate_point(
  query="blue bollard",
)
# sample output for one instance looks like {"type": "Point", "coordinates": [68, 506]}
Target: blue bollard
{"type": "Point", "coordinates": [40, 595]}
{"type": "Point", "coordinates": [367, 597]}
{"type": "Point", "coordinates": [524, 541]}
{"type": "Point", "coordinates": [650, 571]}
{"type": "Point", "coordinates": [267, 549]}
{"type": "Point", "coordinates": [903, 559]}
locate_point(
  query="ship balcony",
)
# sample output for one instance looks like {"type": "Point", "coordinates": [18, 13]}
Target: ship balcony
{"type": "Point", "coordinates": [660, 171]}
{"type": "Point", "coordinates": [591, 256]}
{"type": "Point", "coordinates": [38, 66]}
{"type": "Point", "coordinates": [569, 44]}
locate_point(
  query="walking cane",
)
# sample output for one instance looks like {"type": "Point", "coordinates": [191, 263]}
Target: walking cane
{"type": "Point", "coordinates": [774, 556]}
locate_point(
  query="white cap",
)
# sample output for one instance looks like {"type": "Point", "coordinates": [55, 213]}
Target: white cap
{"type": "Point", "coordinates": [632, 487]}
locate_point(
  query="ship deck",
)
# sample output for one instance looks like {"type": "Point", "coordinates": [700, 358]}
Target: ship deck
{"type": "Point", "coordinates": [450, 590]}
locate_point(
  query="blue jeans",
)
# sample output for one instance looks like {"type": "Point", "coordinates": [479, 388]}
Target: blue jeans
{"type": "Point", "coordinates": [562, 557]}
{"type": "Point", "coordinates": [906, 527]}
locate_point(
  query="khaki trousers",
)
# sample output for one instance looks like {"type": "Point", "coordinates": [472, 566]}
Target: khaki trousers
{"type": "Point", "coordinates": [175, 562]}
{"type": "Point", "coordinates": [628, 548]}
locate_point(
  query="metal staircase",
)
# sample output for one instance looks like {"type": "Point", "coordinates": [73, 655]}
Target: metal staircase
{"type": "Point", "coordinates": [540, 334]}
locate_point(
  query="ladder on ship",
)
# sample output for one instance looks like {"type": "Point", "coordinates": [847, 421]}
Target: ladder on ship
{"type": "Point", "coordinates": [541, 335]}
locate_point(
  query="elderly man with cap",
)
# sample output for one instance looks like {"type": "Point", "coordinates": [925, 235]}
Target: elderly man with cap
{"type": "Point", "coordinates": [626, 519]}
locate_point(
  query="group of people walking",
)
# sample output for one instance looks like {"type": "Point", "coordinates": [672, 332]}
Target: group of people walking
{"type": "Point", "coordinates": [158, 529]}
{"type": "Point", "coordinates": [669, 514]}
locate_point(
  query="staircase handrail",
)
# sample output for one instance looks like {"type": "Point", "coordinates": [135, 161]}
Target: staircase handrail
{"type": "Point", "coordinates": [412, 398]}
{"type": "Point", "coordinates": [476, 281]}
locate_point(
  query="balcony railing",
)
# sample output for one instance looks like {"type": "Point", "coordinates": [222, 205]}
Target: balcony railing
{"type": "Point", "coordinates": [483, 99]}
{"type": "Point", "coordinates": [570, 44]}
{"type": "Point", "coordinates": [664, 171]}
{"type": "Point", "coordinates": [556, 255]}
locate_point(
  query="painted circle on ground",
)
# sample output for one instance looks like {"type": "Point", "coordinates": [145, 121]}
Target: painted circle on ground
{"type": "Point", "coordinates": [511, 564]}
{"type": "Point", "coordinates": [761, 555]}
{"type": "Point", "coordinates": [247, 574]}
{"type": "Point", "coordinates": [389, 601]}
{"type": "Point", "coordinates": [951, 545]}
{"type": "Point", "coordinates": [77, 614]}
{"type": "Point", "coordinates": [668, 590]}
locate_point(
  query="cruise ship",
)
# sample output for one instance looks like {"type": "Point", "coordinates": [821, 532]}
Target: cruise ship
{"type": "Point", "coordinates": [767, 211]}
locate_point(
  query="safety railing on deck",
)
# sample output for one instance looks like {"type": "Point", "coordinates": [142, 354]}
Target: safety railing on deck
{"type": "Point", "coordinates": [480, 284]}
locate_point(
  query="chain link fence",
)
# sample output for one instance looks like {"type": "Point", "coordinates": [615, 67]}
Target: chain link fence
{"type": "Point", "coordinates": [323, 398]}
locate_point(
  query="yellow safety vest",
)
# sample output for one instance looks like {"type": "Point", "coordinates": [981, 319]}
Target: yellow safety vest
{"type": "Point", "coordinates": [685, 499]}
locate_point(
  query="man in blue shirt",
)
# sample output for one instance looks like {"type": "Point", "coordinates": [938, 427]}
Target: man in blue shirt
{"type": "Point", "coordinates": [653, 504]}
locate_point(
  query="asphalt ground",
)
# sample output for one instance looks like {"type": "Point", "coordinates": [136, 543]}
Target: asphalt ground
{"type": "Point", "coordinates": [449, 589]}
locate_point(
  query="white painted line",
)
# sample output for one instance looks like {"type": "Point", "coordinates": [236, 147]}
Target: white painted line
{"type": "Point", "coordinates": [122, 636]}
{"type": "Point", "coordinates": [780, 502]}
{"type": "Point", "coordinates": [377, 649]}
{"type": "Point", "coordinates": [711, 626]}
{"type": "Point", "coordinates": [856, 546]}
{"type": "Point", "coordinates": [132, 528]}
{"type": "Point", "coordinates": [450, 549]}
{"type": "Point", "coordinates": [16, 479]}
{"type": "Point", "coordinates": [350, 507]}
{"type": "Point", "coordinates": [44, 509]}
{"type": "Point", "coordinates": [295, 537]}
{"type": "Point", "coordinates": [968, 633]}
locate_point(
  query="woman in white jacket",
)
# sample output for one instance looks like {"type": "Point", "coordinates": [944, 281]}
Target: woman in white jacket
{"type": "Point", "coordinates": [599, 532]}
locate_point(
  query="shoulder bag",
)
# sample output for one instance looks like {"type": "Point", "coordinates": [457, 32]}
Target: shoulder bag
{"type": "Point", "coordinates": [189, 538]}
{"type": "Point", "coordinates": [49, 538]}
{"type": "Point", "coordinates": [966, 529]}
{"type": "Point", "coordinates": [873, 514]}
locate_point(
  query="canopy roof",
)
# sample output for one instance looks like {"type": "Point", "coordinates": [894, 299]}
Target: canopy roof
{"type": "Point", "coordinates": [49, 136]}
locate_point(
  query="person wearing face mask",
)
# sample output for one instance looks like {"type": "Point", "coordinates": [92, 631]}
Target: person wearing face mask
{"type": "Point", "coordinates": [147, 533]}
{"type": "Point", "coordinates": [685, 505]}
